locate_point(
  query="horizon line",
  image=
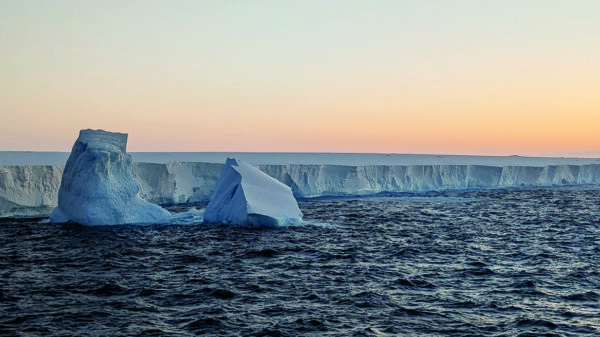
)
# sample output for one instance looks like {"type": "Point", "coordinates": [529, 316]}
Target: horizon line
{"type": "Point", "coordinates": [582, 155]}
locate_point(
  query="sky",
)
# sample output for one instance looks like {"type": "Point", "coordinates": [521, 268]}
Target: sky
{"type": "Point", "coordinates": [436, 77]}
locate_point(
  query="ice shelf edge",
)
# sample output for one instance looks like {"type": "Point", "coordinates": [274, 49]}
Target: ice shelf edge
{"type": "Point", "coordinates": [33, 189]}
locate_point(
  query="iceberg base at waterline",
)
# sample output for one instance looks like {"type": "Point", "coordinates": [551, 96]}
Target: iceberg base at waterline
{"type": "Point", "coordinates": [97, 186]}
{"type": "Point", "coordinates": [246, 196]}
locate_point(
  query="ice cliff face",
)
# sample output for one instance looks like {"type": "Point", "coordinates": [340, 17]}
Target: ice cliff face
{"type": "Point", "coordinates": [246, 196]}
{"type": "Point", "coordinates": [30, 190]}
{"type": "Point", "coordinates": [98, 187]}
{"type": "Point", "coordinates": [181, 182]}
{"type": "Point", "coordinates": [319, 180]}
{"type": "Point", "coordinates": [174, 183]}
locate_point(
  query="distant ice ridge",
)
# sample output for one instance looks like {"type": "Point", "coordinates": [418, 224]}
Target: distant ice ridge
{"type": "Point", "coordinates": [319, 180]}
{"type": "Point", "coordinates": [98, 187]}
{"type": "Point", "coordinates": [33, 190]}
{"type": "Point", "coordinates": [246, 196]}
{"type": "Point", "coordinates": [20, 158]}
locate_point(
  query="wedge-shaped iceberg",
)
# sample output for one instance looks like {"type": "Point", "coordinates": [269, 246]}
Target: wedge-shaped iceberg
{"type": "Point", "coordinates": [246, 196]}
{"type": "Point", "coordinates": [98, 187]}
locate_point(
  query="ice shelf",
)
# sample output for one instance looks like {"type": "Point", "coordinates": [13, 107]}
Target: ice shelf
{"type": "Point", "coordinates": [33, 189]}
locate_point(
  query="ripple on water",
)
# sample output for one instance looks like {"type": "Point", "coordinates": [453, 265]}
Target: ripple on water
{"type": "Point", "coordinates": [474, 263]}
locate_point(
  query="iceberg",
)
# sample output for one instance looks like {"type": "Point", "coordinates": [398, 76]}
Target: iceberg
{"type": "Point", "coordinates": [97, 186]}
{"type": "Point", "coordinates": [246, 196]}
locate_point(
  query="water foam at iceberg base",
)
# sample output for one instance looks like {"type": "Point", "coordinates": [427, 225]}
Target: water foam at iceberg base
{"type": "Point", "coordinates": [246, 196]}
{"type": "Point", "coordinates": [97, 186]}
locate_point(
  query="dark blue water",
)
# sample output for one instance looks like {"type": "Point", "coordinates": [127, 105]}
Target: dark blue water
{"type": "Point", "coordinates": [481, 263]}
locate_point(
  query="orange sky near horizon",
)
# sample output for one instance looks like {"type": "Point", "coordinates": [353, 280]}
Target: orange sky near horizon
{"type": "Point", "coordinates": [471, 77]}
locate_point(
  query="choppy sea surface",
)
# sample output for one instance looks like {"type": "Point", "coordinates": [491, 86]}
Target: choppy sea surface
{"type": "Point", "coordinates": [512, 262]}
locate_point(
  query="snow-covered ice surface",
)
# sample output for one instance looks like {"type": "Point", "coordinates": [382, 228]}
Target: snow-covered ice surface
{"type": "Point", "coordinates": [98, 187]}
{"type": "Point", "coordinates": [347, 159]}
{"type": "Point", "coordinates": [246, 196]}
{"type": "Point", "coordinates": [28, 158]}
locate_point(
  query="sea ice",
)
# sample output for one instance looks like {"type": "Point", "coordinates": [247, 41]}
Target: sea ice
{"type": "Point", "coordinates": [98, 187]}
{"type": "Point", "coordinates": [246, 196]}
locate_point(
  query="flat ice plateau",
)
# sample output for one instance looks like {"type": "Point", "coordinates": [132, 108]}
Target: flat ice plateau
{"type": "Point", "coordinates": [24, 158]}
{"type": "Point", "coordinates": [29, 181]}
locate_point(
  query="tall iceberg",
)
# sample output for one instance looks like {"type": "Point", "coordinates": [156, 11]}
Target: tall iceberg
{"type": "Point", "coordinates": [98, 187]}
{"type": "Point", "coordinates": [246, 196]}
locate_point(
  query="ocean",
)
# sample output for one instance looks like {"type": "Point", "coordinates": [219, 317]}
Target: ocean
{"type": "Point", "coordinates": [505, 262]}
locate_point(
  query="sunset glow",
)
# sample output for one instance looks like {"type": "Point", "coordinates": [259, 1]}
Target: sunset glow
{"type": "Point", "coordinates": [465, 77]}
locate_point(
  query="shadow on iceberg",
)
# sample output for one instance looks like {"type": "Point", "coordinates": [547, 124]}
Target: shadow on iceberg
{"type": "Point", "coordinates": [246, 196]}
{"type": "Point", "coordinates": [98, 187]}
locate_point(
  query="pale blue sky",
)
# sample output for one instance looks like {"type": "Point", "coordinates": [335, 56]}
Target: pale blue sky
{"type": "Point", "coordinates": [346, 76]}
